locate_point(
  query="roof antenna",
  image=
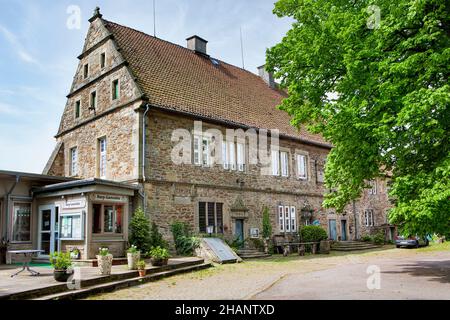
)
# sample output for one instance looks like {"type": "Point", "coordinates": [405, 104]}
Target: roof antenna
{"type": "Point", "coordinates": [154, 18]}
{"type": "Point", "coordinates": [242, 49]}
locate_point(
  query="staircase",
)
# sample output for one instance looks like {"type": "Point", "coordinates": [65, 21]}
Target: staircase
{"type": "Point", "coordinates": [353, 246]}
{"type": "Point", "coordinates": [251, 254]}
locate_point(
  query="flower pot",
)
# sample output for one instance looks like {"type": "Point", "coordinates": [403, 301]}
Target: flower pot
{"type": "Point", "coordinates": [142, 273]}
{"type": "Point", "coordinates": [133, 259]}
{"type": "Point", "coordinates": [105, 264]}
{"type": "Point", "coordinates": [157, 262]}
{"type": "Point", "coordinates": [61, 275]}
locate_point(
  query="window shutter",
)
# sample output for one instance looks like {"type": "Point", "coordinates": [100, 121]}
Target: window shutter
{"type": "Point", "coordinates": [293, 220]}
{"type": "Point", "coordinates": [197, 155]}
{"type": "Point", "coordinates": [202, 216]}
{"type": "Point", "coordinates": [275, 163]}
{"type": "Point", "coordinates": [240, 156]}
{"type": "Point", "coordinates": [225, 155]}
{"type": "Point", "coordinates": [281, 218]}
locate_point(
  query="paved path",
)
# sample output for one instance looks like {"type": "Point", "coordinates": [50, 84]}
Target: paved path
{"type": "Point", "coordinates": [405, 274]}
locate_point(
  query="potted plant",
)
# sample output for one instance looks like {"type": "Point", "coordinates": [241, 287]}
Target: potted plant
{"type": "Point", "coordinates": [75, 254]}
{"type": "Point", "coordinates": [104, 261]}
{"type": "Point", "coordinates": [133, 256]}
{"type": "Point", "coordinates": [141, 267]}
{"type": "Point", "coordinates": [61, 262]}
{"type": "Point", "coordinates": [159, 256]}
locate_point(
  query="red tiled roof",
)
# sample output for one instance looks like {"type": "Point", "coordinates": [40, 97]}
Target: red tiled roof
{"type": "Point", "coordinates": [176, 78]}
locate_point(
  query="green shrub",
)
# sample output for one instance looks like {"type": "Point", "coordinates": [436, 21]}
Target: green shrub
{"type": "Point", "coordinates": [366, 238]}
{"type": "Point", "coordinates": [235, 244]}
{"type": "Point", "coordinates": [185, 242]}
{"type": "Point", "coordinates": [267, 226]}
{"type": "Point", "coordinates": [256, 243]}
{"type": "Point", "coordinates": [378, 238]}
{"type": "Point", "coordinates": [312, 234]}
{"type": "Point", "coordinates": [156, 238]}
{"type": "Point", "coordinates": [140, 231]}
{"type": "Point", "coordinates": [60, 260]}
{"type": "Point", "coordinates": [159, 253]}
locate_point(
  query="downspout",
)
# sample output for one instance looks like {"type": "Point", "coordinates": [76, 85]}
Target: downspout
{"type": "Point", "coordinates": [147, 109]}
{"type": "Point", "coordinates": [356, 220]}
{"type": "Point", "coordinates": [8, 205]}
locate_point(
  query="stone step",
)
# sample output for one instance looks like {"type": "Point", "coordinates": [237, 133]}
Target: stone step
{"type": "Point", "coordinates": [369, 247]}
{"type": "Point", "coordinates": [62, 287]}
{"type": "Point", "coordinates": [255, 256]}
{"type": "Point", "coordinates": [112, 286]}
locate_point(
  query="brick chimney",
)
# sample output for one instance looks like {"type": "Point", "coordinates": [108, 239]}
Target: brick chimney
{"type": "Point", "coordinates": [197, 44]}
{"type": "Point", "coordinates": [266, 76]}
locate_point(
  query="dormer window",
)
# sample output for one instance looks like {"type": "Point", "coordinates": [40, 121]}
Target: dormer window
{"type": "Point", "coordinates": [102, 60]}
{"type": "Point", "coordinates": [115, 89]}
{"type": "Point", "coordinates": [86, 71]}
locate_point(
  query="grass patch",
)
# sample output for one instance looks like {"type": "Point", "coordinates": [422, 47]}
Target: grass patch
{"type": "Point", "coordinates": [435, 247]}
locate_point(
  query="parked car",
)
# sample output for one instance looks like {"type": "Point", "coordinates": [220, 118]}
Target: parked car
{"type": "Point", "coordinates": [412, 241]}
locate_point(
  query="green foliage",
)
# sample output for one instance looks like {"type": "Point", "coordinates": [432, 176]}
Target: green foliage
{"type": "Point", "coordinates": [103, 252]}
{"type": "Point", "coordinates": [389, 114]}
{"type": "Point", "coordinates": [132, 249]}
{"type": "Point", "coordinates": [312, 234]}
{"type": "Point", "coordinates": [141, 265]}
{"type": "Point", "coordinates": [159, 253]}
{"type": "Point", "coordinates": [256, 243]}
{"type": "Point", "coordinates": [60, 260]}
{"type": "Point", "coordinates": [185, 242]}
{"type": "Point", "coordinates": [378, 238]}
{"type": "Point", "coordinates": [156, 238]}
{"type": "Point", "coordinates": [366, 238]}
{"type": "Point", "coordinates": [267, 226]}
{"type": "Point", "coordinates": [236, 243]}
{"type": "Point", "coordinates": [140, 230]}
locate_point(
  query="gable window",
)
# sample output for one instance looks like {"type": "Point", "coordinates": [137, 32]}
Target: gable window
{"type": "Point", "coordinates": [93, 100]}
{"type": "Point", "coordinates": [102, 60]}
{"type": "Point", "coordinates": [275, 163]}
{"type": "Point", "coordinates": [302, 172]}
{"type": "Point", "coordinates": [107, 218]}
{"type": "Point", "coordinates": [369, 220]}
{"type": "Point", "coordinates": [21, 222]}
{"type": "Point", "coordinates": [241, 156]}
{"type": "Point", "coordinates": [102, 158]}
{"type": "Point", "coordinates": [210, 214]}
{"type": "Point", "coordinates": [373, 187]}
{"type": "Point", "coordinates": [115, 89]}
{"type": "Point", "coordinates": [284, 164]}
{"type": "Point", "coordinates": [86, 71]}
{"type": "Point", "coordinates": [287, 218]}
{"type": "Point", "coordinates": [73, 161]}
{"type": "Point", "coordinates": [77, 109]}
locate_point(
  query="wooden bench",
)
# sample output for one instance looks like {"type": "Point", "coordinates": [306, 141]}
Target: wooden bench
{"type": "Point", "coordinates": [301, 247]}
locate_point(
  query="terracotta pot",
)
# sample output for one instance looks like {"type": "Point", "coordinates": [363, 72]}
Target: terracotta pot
{"type": "Point", "coordinates": [105, 264]}
{"type": "Point", "coordinates": [159, 262]}
{"type": "Point", "coordinates": [133, 259]}
{"type": "Point", "coordinates": [142, 273]}
{"type": "Point", "coordinates": [61, 275]}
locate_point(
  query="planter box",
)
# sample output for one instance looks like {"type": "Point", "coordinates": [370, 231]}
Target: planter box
{"type": "Point", "coordinates": [132, 259]}
{"type": "Point", "coordinates": [105, 264]}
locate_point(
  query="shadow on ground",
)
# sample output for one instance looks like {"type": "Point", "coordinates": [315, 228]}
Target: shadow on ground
{"type": "Point", "coordinates": [437, 270]}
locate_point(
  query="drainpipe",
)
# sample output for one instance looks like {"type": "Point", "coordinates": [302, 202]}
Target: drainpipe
{"type": "Point", "coordinates": [147, 109]}
{"type": "Point", "coordinates": [356, 220]}
{"type": "Point", "coordinates": [8, 205]}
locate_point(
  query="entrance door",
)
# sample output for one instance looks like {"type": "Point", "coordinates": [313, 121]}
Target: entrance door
{"type": "Point", "coordinates": [239, 229]}
{"type": "Point", "coordinates": [48, 230]}
{"type": "Point", "coordinates": [344, 230]}
{"type": "Point", "coordinates": [332, 228]}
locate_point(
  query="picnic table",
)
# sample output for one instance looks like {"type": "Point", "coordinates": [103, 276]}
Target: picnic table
{"type": "Point", "coordinates": [301, 247]}
{"type": "Point", "coordinates": [28, 254]}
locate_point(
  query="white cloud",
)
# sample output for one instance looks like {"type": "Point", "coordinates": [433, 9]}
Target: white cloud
{"type": "Point", "coordinates": [17, 46]}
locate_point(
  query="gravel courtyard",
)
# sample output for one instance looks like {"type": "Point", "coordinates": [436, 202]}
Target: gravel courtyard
{"type": "Point", "coordinates": [404, 274]}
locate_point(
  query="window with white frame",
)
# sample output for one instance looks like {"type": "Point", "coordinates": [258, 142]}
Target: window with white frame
{"type": "Point", "coordinates": [72, 226]}
{"type": "Point", "coordinates": [240, 156]}
{"type": "Point", "coordinates": [284, 163]}
{"type": "Point", "coordinates": [102, 158]}
{"type": "Point", "coordinates": [73, 161]}
{"type": "Point", "coordinates": [201, 151]}
{"type": "Point", "coordinates": [373, 187]}
{"type": "Point", "coordinates": [232, 155]}
{"type": "Point", "coordinates": [369, 220]}
{"type": "Point", "coordinates": [302, 168]}
{"type": "Point", "coordinates": [287, 218]}
{"type": "Point", "coordinates": [275, 162]}
{"type": "Point", "coordinates": [225, 160]}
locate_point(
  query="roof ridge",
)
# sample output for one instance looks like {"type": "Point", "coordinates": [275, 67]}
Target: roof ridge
{"type": "Point", "coordinates": [179, 45]}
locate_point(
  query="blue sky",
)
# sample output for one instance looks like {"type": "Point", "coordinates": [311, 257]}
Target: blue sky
{"type": "Point", "coordinates": [38, 56]}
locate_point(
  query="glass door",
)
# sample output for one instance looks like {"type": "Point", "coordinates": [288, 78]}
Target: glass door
{"type": "Point", "coordinates": [47, 230]}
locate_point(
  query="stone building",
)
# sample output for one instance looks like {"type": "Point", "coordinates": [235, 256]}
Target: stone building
{"type": "Point", "coordinates": [130, 93]}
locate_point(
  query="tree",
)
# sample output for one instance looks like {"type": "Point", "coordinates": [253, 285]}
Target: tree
{"type": "Point", "coordinates": [373, 80]}
{"type": "Point", "coordinates": [140, 231]}
{"type": "Point", "coordinates": [267, 226]}
{"type": "Point", "coordinates": [156, 238]}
